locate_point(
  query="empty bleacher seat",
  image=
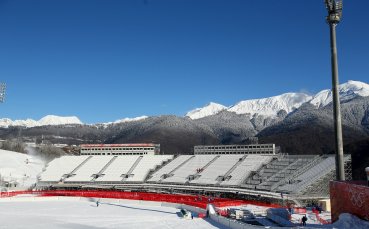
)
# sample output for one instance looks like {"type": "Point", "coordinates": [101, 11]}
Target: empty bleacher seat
{"type": "Point", "coordinates": [91, 167]}
{"type": "Point", "coordinates": [243, 170]}
{"type": "Point", "coordinates": [190, 168]}
{"type": "Point", "coordinates": [217, 168]}
{"type": "Point", "coordinates": [61, 166]}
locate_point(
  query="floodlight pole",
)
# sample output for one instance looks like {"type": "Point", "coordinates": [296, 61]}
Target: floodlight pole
{"type": "Point", "coordinates": [334, 16]}
{"type": "Point", "coordinates": [2, 92]}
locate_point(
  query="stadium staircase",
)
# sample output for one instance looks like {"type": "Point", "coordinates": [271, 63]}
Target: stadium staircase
{"type": "Point", "coordinates": [171, 173]}
{"type": "Point", "coordinates": [314, 161]}
{"type": "Point", "coordinates": [74, 170]}
{"type": "Point", "coordinates": [310, 177]}
{"type": "Point", "coordinates": [281, 174]}
{"type": "Point", "coordinates": [100, 173]}
{"type": "Point", "coordinates": [196, 175]}
{"type": "Point", "coordinates": [256, 177]}
{"type": "Point", "coordinates": [270, 176]}
{"type": "Point", "coordinates": [320, 186]}
{"type": "Point", "coordinates": [221, 179]}
{"type": "Point", "coordinates": [149, 176]}
{"type": "Point", "coordinates": [132, 168]}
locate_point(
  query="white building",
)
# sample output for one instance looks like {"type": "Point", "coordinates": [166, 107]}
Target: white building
{"type": "Point", "coordinates": [236, 149]}
{"type": "Point", "coordinates": [120, 149]}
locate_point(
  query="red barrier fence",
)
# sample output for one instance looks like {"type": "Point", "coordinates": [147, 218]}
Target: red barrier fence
{"type": "Point", "coordinates": [197, 201]}
{"type": "Point", "coordinates": [347, 197]}
{"type": "Point", "coordinates": [321, 220]}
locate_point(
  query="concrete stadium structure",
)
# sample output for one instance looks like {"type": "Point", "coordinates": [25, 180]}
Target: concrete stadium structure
{"type": "Point", "coordinates": [298, 178]}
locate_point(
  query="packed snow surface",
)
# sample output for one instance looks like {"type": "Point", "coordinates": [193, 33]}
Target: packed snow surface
{"type": "Point", "coordinates": [80, 213]}
{"type": "Point", "coordinates": [71, 213]}
{"type": "Point", "coordinates": [20, 168]}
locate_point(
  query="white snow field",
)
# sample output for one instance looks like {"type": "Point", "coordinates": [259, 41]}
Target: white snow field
{"type": "Point", "coordinates": [19, 168]}
{"type": "Point", "coordinates": [81, 213]}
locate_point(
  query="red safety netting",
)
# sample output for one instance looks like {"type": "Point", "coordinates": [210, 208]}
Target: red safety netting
{"type": "Point", "coordinates": [193, 200]}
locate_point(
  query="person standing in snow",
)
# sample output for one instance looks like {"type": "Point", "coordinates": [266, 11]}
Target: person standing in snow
{"type": "Point", "coordinates": [97, 203]}
{"type": "Point", "coordinates": [304, 219]}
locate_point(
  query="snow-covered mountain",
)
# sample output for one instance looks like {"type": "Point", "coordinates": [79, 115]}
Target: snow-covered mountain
{"type": "Point", "coordinates": [210, 109]}
{"type": "Point", "coordinates": [266, 106]}
{"type": "Point", "coordinates": [272, 105]}
{"type": "Point", "coordinates": [47, 120]}
{"type": "Point", "coordinates": [126, 120]}
{"type": "Point", "coordinates": [54, 120]}
{"type": "Point", "coordinates": [57, 120]}
{"type": "Point", "coordinates": [269, 107]}
{"type": "Point", "coordinates": [347, 91]}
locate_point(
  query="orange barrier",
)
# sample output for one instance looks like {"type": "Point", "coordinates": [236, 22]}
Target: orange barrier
{"type": "Point", "coordinates": [347, 197]}
{"type": "Point", "coordinates": [196, 201]}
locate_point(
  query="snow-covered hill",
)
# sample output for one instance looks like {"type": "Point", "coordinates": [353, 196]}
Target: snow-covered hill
{"type": "Point", "coordinates": [210, 109]}
{"type": "Point", "coordinates": [47, 120]}
{"type": "Point", "coordinates": [125, 120]}
{"type": "Point", "coordinates": [19, 168]}
{"type": "Point", "coordinates": [347, 91]}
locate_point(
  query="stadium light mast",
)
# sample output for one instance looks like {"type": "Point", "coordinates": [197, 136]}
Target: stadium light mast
{"type": "Point", "coordinates": [334, 8]}
{"type": "Point", "coordinates": [2, 92]}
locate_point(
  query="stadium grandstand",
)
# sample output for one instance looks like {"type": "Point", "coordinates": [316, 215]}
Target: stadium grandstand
{"type": "Point", "coordinates": [266, 175]}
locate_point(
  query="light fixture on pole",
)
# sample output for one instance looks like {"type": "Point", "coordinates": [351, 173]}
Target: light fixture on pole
{"type": "Point", "coordinates": [334, 8]}
{"type": "Point", "coordinates": [2, 92]}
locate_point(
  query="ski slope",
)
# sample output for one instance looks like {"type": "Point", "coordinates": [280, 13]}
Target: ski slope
{"type": "Point", "coordinates": [19, 168]}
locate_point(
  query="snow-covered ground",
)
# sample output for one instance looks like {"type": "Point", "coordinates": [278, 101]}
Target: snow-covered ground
{"type": "Point", "coordinates": [81, 213]}
{"type": "Point", "coordinates": [19, 168]}
{"type": "Point", "coordinates": [49, 213]}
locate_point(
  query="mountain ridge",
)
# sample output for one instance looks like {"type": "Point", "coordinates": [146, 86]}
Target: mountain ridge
{"type": "Point", "coordinates": [262, 112]}
{"type": "Point", "coordinates": [288, 102]}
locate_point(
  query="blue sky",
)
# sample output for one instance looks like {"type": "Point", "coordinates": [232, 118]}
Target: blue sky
{"type": "Point", "coordinates": [106, 60]}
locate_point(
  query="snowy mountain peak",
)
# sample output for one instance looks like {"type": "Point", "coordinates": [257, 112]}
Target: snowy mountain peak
{"type": "Point", "coordinates": [47, 120]}
{"type": "Point", "coordinates": [210, 109]}
{"type": "Point", "coordinates": [57, 120]}
{"type": "Point", "coordinates": [270, 106]}
{"type": "Point", "coordinates": [347, 91]}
